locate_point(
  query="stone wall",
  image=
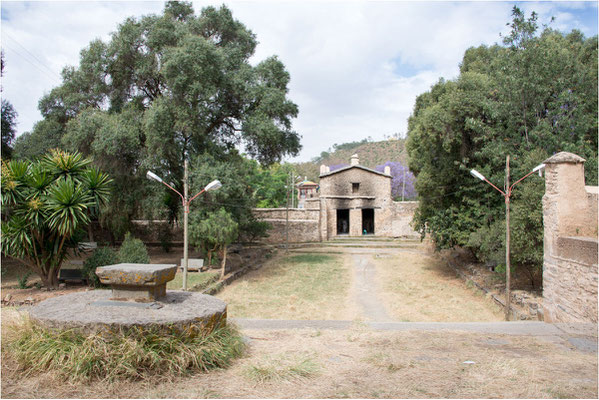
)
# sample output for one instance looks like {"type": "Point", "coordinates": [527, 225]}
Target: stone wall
{"type": "Point", "coordinates": [403, 214]}
{"type": "Point", "coordinates": [303, 224]}
{"type": "Point", "coordinates": [570, 242]}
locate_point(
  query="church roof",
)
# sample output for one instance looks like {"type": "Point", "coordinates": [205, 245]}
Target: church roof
{"type": "Point", "coordinates": [354, 166]}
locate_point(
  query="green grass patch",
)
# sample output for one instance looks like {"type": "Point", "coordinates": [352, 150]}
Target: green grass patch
{"type": "Point", "coordinates": [130, 354]}
{"type": "Point", "coordinates": [302, 286]}
{"type": "Point", "coordinates": [311, 258]}
{"type": "Point", "coordinates": [282, 368]}
{"type": "Point", "coordinates": [197, 281]}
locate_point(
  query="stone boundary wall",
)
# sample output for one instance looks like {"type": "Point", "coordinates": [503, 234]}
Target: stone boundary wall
{"type": "Point", "coordinates": [570, 242]}
{"type": "Point", "coordinates": [304, 224]}
{"type": "Point", "coordinates": [403, 214]}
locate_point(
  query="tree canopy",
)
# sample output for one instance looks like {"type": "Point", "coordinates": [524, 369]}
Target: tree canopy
{"type": "Point", "coordinates": [530, 98]}
{"type": "Point", "coordinates": [9, 121]}
{"type": "Point", "coordinates": [163, 89]}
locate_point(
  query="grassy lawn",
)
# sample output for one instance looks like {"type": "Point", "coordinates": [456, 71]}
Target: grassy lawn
{"type": "Point", "coordinates": [199, 279]}
{"type": "Point", "coordinates": [417, 288]}
{"type": "Point", "coordinates": [300, 286]}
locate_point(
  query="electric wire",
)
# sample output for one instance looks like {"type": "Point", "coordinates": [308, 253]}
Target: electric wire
{"type": "Point", "coordinates": [52, 74]}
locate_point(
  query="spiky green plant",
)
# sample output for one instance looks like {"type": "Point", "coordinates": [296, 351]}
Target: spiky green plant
{"type": "Point", "coordinates": [48, 203]}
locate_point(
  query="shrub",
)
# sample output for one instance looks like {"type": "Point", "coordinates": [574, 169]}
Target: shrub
{"type": "Point", "coordinates": [23, 281]}
{"type": "Point", "coordinates": [100, 257]}
{"type": "Point", "coordinates": [128, 354]}
{"type": "Point", "coordinates": [133, 251]}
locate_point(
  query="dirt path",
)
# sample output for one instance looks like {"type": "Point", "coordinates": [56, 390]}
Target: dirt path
{"type": "Point", "coordinates": [366, 290]}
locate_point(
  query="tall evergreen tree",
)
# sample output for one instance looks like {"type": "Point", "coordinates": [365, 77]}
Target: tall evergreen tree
{"type": "Point", "coordinates": [167, 87]}
{"type": "Point", "coordinates": [530, 98]}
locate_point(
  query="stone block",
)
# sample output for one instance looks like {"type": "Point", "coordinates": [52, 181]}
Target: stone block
{"type": "Point", "coordinates": [137, 281]}
{"type": "Point", "coordinates": [193, 264]}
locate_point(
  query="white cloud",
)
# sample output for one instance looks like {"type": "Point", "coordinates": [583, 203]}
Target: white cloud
{"type": "Point", "coordinates": [356, 67]}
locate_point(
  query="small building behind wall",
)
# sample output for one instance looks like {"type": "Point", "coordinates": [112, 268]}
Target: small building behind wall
{"type": "Point", "coordinates": [356, 201]}
{"type": "Point", "coordinates": [351, 201]}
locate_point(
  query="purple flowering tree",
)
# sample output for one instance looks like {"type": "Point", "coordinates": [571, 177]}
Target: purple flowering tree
{"type": "Point", "coordinates": [337, 166]}
{"type": "Point", "coordinates": [402, 184]}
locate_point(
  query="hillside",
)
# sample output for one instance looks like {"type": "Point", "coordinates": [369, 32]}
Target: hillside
{"type": "Point", "coordinates": [371, 154]}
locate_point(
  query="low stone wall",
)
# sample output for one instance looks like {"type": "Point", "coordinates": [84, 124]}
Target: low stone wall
{"type": "Point", "coordinates": [303, 224]}
{"type": "Point", "coordinates": [570, 242]}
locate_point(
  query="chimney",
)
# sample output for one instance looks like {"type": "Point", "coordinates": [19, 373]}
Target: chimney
{"type": "Point", "coordinates": [387, 170]}
{"type": "Point", "coordinates": [323, 169]}
{"type": "Point", "coordinates": [354, 160]}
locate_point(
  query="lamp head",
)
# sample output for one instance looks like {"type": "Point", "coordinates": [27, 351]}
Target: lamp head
{"type": "Point", "coordinates": [153, 176]}
{"type": "Point", "coordinates": [215, 184]}
{"type": "Point", "coordinates": [538, 167]}
{"type": "Point", "coordinates": [477, 174]}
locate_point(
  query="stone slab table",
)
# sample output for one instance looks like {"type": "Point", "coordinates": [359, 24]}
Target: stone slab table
{"type": "Point", "coordinates": [138, 282]}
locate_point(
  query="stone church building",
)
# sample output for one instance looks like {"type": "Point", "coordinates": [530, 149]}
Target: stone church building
{"type": "Point", "coordinates": [350, 201]}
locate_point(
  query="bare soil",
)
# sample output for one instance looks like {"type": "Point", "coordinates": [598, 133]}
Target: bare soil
{"type": "Point", "coordinates": [357, 363]}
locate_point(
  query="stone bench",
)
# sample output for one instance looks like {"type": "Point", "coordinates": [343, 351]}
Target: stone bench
{"type": "Point", "coordinates": [138, 282]}
{"type": "Point", "coordinates": [193, 264]}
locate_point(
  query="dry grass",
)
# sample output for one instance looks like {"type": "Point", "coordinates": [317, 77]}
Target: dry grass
{"type": "Point", "coordinates": [282, 367]}
{"type": "Point", "coordinates": [420, 288]}
{"type": "Point", "coordinates": [359, 363]}
{"type": "Point", "coordinates": [300, 286]}
{"type": "Point", "coordinates": [129, 354]}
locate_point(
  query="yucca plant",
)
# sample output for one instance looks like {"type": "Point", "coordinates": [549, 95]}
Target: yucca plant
{"type": "Point", "coordinates": [49, 204]}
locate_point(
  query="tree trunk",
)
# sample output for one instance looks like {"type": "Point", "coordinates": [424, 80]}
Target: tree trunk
{"type": "Point", "coordinates": [223, 262]}
{"type": "Point", "coordinates": [90, 233]}
{"type": "Point", "coordinates": [50, 277]}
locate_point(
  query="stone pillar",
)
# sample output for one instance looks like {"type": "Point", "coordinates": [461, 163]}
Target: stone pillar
{"type": "Point", "coordinates": [355, 222]}
{"type": "Point", "coordinates": [565, 196]}
{"type": "Point", "coordinates": [570, 242]}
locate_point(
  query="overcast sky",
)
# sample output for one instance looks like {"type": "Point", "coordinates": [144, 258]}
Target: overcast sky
{"type": "Point", "coordinates": [356, 67]}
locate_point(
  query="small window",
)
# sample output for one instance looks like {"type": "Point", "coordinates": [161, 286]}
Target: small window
{"type": "Point", "coordinates": [355, 187]}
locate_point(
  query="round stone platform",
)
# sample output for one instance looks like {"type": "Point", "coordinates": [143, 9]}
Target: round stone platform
{"type": "Point", "coordinates": [94, 311]}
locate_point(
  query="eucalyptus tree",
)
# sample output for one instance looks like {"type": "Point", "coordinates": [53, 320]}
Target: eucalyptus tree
{"type": "Point", "coordinates": [48, 202]}
{"type": "Point", "coordinates": [167, 87]}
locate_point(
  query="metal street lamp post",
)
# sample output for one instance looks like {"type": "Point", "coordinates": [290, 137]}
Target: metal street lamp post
{"type": "Point", "coordinates": [507, 194]}
{"type": "Point", "coordinates": [214, 185]}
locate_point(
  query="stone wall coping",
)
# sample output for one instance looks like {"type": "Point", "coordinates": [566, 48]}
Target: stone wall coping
{"type": "Point", "coordinates": [348, 197]}
{"type": "Point", "coordinates": [284, 209]}
{"type": "Point", "coordinates": [314, 221]}
{"type": "Point", "coordinates": [564, 157]}
{"type": "Point", "coordinates": [592, 189]}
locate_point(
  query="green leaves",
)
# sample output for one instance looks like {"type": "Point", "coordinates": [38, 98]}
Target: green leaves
{"type": "Point", "coordinates": [49, 202]}
{"type": "Point", "coordinates": [533, 98]}
{"type": "Point", "coordinates": [67, 206]}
